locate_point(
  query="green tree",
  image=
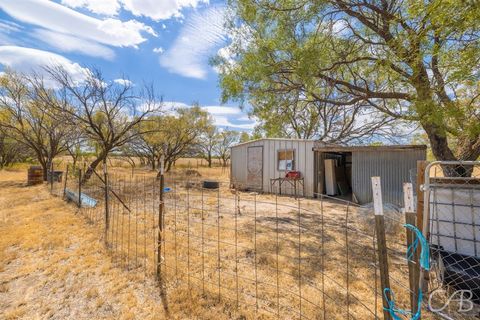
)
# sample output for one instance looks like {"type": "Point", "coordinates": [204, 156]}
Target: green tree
{"type": "Point", "coordinates": [11, 151]}
{"type": "Point", "coordinates": [149, 145]}
{"type": "Point", "coordinates": [207, 141]}
{"type": "Point", "coordinates": [226, 139]}
{"type": "Point", "coordinates": [244, 137]}
{"type": "Point", "coordinates": [415, 61]}
{"type": "Point", "coordinates": [180, 132]}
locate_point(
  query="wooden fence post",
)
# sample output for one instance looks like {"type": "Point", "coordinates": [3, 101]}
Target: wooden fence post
{"type": "Point", "coordinates": [107, 190]}
{"type": "Point", "coordinates": [421, 208]}
{"type": "Point", "coordinates": [381, 244]}
{"type": "Point", "coordinates": [410, 218]}
{"type": "Point", "coordinates": [421, 166]}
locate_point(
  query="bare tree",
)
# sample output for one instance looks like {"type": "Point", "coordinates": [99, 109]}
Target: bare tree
{"type": "Point", "coordinates": [28, 119]}
{"type": "Point", "coordinates": [109, 113]}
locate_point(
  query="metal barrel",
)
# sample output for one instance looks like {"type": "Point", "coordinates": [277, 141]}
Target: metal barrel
{"type": "Point", "coordinates": [35, 175]}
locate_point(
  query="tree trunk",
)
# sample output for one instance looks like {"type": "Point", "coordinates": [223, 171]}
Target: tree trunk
{"type": "Point", "coordinates": [439, 143]}
{"type": "Point", "coordinates": [168, 166]}
{"type": "Point", "coordinates": [92, 167]}
{"type": "Point", "coordinates": [442, 152]}
{"type": "Point", "coordinates": [45, 170]}
{"type": "Point", "coordinates": [209, 160]}
{"type": "Point", "coordinates": [74, 162]}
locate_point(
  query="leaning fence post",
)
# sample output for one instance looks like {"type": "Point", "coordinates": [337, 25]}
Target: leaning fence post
{"type": "Point", "coordinates": [160, 225]}
{"type": "Point", "coordinates": [79, 188]}
{"type": "Point", "coordinates": [410, 218]}
{"type": "Point", "coordinates": [107, 190]}
{"type": "Point", "coordinates": [381, 244]}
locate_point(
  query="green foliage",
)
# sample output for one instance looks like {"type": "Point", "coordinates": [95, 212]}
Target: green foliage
{"type": "Point", "coordinates": [416, 61]}
{"type": "Point", "coordinates": [176, 135]}
{"type": "Point", "coordinates": [244, 137]}
{"type": "Point", "coordinates": [225, 140]}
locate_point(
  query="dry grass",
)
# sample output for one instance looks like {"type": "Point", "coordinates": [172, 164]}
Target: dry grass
{"type": "Point", "coordinates": [52, 265]}
{"type": "Point", "coordinates": [189, 266]}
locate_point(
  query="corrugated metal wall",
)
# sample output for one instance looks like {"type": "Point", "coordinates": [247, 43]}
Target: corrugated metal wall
{"type": "Point", "coordinates": [392, 166]}
{"type": "Point", "coordinates": [303, 163]}
{"type": "Point", "coordinates": [238, 163]}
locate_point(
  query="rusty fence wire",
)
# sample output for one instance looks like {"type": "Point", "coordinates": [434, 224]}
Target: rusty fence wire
{"type": "Point", "coordinates": [260, 255]}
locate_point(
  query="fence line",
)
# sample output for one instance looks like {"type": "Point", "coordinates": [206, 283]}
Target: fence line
{"type": "Point", "coordinates": [260, 255]}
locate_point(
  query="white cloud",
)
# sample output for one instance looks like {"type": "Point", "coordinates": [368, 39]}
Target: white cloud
{"type": "Point", "coordinates": [27, 60]}
{"type": "Point", "coordinates": [123, 82]}
{"type": "Point", "coordinates": [159, 9]}
{"type": "Point", "coordinates": [60, 19]}
{"type": "Point", "coordinates": [6, 30]}
{"type": "Point", "coordinates": [222, 110]}
{"type": "Point", "coordinates": [202, 33]}
{"type": "Point", "coordinates": [67, 43]}
{"type": "Point", "coordinates": [223, 116]}
{"type": "Point", "coordinates": [154, 9]}
{"type": "Point", "coordinates": [159, 50]}
{"type": "Point", "coordinates": [239, 39]}
{"type": "Point", "coordinates": [9, 26]}
{"type": "Point", "coordinates": [223, 121]}
{"type": "Point", "coordinates": [103, 7]}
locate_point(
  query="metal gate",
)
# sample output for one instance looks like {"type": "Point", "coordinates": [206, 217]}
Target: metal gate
{"type": "Point", "coordinates": [452, 225]}
{"type": "Point", "coordinates": [255, 168]}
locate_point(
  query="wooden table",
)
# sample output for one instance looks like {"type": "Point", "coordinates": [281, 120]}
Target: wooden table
{"type": "Point", "coordinates": [294, 182]}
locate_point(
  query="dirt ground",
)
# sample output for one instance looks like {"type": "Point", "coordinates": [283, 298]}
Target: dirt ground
{"type": "Point", "coordinates": [53, 265]}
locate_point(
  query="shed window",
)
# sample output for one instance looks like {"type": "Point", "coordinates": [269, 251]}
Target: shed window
{"type": "Point", "coordinates": [286, 160]}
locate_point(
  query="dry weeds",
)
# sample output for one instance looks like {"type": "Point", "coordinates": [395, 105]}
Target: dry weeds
{"type": "Point", "coordinates": [53, 265]}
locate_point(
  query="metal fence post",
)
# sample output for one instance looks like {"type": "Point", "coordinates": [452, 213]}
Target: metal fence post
{"type": "Point", "coordinates": [160, 225]}
{"type": "Point", "coordinates": [65, 183]}
{"type": "Point", "coordinates": [79, 188]}
{"type": "Point", "coordinates": [51, 176]}
{"type": "Point", "coordinates": [410, 218]}
{"type": "Point", "coordinates": [381, 244]}
{"type": "Point", "coordinates": [107, 190]}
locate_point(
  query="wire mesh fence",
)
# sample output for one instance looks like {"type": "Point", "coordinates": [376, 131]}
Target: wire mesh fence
{"type": "Point", "coordinates": [452, 191]}
{"type": "Point", "coordinates": [259, 255]}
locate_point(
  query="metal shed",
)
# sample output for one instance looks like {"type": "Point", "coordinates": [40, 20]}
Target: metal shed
{"type": "Point", "coordinates": [255, 164]}
{"type": "Point", "coordinates": [394, 164]}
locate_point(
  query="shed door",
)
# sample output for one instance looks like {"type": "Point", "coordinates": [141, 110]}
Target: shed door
{"type": "Point", "coordinates": [255, 168]}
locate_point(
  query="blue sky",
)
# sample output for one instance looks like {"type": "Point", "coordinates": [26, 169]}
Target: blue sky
{"type": "Point", "coordinates": [167, 42]}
